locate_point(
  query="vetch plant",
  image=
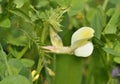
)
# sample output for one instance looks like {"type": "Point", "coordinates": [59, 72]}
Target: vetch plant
{"type": "Point", "coordinates": [81, 45]}
{"type": "Point", "coordinates": [25, 28]}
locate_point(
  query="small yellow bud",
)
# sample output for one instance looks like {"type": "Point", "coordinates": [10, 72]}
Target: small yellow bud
{"type": "Point", "coordinates": [51, 73]}
{"type": "Point", "coordinates": [34, 74]}
{"type": "Point", "coordinates": [36, 77]}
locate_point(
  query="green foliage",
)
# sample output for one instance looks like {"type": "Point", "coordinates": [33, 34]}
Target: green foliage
{"type": "Point", "coordinates": [117, 60]}
{"type": "Point", "coordinates": [14, 66]}
{"type": "Point", "coordinates": [5, 22]}
{"type": "Point", "coordinates": [20, 13]}
{"type": "Point", "coordinates": [111, 51]}
{"type": "Point", "coordinates": [111, 27]}
{"type": "Point", "coordinates": [76, 5]}
{"type": "Point", "coordinates": [72, 67]}
{"type": "Point", "coordinates": [24, 30]}
{"type": "Point", "coordinates": [27, 62]}
{"type": "Point", "coordinates": [15, 79]}
{"type": "Point", "coordinates": [19, 3]}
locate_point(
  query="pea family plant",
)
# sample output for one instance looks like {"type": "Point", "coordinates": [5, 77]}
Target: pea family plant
{"type": "Point", "coordinates": [59, 41]}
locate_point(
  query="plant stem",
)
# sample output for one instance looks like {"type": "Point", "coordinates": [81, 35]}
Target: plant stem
{"type": "Point", "coordinates": [108, 58]}
{"type": "Point", "coordinates": [105, 4]}
{"type": "Point", "coordinates": [54, 67]}
{"type": "Point", "coordinates": [41, 52]}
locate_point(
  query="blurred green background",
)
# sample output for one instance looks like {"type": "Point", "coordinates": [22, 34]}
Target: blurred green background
{"type": "Point", "coordinates": [24, 29]}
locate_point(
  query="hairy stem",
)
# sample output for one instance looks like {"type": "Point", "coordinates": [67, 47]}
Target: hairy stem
{"type": "Point", "coordinates": [41, 52]}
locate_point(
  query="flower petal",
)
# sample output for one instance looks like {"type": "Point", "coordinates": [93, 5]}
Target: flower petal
{"type": "Point", "coordinates": [82, 33]}
{"type": "Point", "coordinates": [59, 50]}
{"type": "Point", "coordinates": [55, 38]}
{"type": "Point", "coordinates": [85, 50]}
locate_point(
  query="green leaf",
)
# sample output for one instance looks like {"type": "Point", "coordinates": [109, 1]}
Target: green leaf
{"type": "Point", "coordinates": [3, 67]}
{"type": "Point", "coordinates": [21, 67]}
{"type": "Point", "coordinates": [41, 3]}
{"type": "Point", "coordinates": [27, 73]}
{"type": "Point", "coordinates": [70, 72]}
{"type": "Point", "coordinates": [15, 79]}
{"type": "Point", "coordinates": [17, 37]}
{"type": "Point", "coordinates": [111, 51]}
{"type": "Point", "coordinates": [33, 16]}
{"type": "Point", "coordinates": [90, 13]}
{"type": "Point", "coordinates": [98, 22]}
{"type": "Point", "coordinates": [112, 37]}
{"type": "Point", "coordinates": [5, 23]}
{"type": "Point", "coordinates": [27, 62]}
{"type": "Point", "coordinates": [98, 42]}
{"type": "Point", "coordinates": [1, 0]}
{"type": "Point", "coordinates": [110, 12]}
{"type": "Point", "coordinates": [111, 27]}
{"type": "Point", "coordinates": [19, 3]}
{"type": "Point", "coordinates": [17, 41]}
{"type": "Point", "coordinates": [76, 5]}
{"type": "Point", "coordinates": [97, 26]}
{"type": "Point", "coordinates": [117, 60]}
{"type": "Point", "coordinates": [3, 59]}
{"type": "Point", "coordinates": [20, 13]}
{"type": "Point", "coordinates": [115, 1]}
{"type": "Point", "coordinates": [15, 65]}
{"type": "Point", "coordinates": [117, 46]}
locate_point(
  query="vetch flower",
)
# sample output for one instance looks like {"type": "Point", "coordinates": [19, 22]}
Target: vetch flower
{"type": "Point", "coordinates": [116, 72]}
{"type": "Point", "coordinates": [50, 72]}
{"type": "Point", "coordinates": [81, 45]}
{"type": "Point", "coordinates": [80, 42]}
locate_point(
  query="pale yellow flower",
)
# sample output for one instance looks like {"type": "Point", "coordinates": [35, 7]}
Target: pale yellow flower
{"type": "Point", "coordinates": [80, 44]}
